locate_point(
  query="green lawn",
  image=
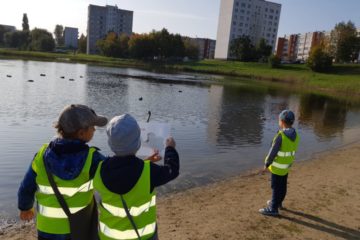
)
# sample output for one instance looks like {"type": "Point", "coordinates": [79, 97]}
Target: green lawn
{"type": "Point", "coordinates": [342, 80]}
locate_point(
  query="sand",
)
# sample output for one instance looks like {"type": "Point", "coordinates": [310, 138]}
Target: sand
{"type": "Point", "coordinates": [323, 202]}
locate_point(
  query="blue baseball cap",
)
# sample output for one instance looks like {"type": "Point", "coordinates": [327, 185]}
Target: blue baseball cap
{"type": "Point", "coordinates": [287, 116]}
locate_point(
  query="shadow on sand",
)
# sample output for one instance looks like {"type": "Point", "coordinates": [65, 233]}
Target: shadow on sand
{"type": "Point", "coordinates": [322, 225]}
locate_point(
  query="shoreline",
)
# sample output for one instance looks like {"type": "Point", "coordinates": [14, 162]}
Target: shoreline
{"type": "Point", "coordinates": [323, 202]}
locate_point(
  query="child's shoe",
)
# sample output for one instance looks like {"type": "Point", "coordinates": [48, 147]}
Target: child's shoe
{"type": "Point", "coordinates": [268, 212]}
{"type": "Point", "coordinates": [269, 203]}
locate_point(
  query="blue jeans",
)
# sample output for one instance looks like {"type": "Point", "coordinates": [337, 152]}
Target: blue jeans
{"type": "Point", "coordinates": [279, 188]}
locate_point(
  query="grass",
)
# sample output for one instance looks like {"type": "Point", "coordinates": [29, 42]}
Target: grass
{"type": "Point", "coordinates": [343, 80]}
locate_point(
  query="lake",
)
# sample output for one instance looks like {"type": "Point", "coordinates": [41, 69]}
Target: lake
{"type": "Point", "coordinates": [222, 126]}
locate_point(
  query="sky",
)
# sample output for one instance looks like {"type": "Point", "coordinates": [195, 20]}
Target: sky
{"type": "Point", "coordinates": [194, 18]}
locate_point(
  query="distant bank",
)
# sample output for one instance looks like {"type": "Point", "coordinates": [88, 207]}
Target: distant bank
{"type": "Point", "coordinates": [342, 81]}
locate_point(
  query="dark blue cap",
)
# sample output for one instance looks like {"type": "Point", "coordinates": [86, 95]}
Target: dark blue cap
{"type": "Point", "coordinates": [287, 116]}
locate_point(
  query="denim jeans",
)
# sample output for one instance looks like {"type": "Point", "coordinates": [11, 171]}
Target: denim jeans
{"type": "Point", "coordinates": [279, 188]}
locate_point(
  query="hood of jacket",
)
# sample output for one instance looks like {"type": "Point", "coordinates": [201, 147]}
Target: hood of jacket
{"type": "Point", "coordinates": [290, 133]}
{"type": "Point", "coordinates": [66, 158]}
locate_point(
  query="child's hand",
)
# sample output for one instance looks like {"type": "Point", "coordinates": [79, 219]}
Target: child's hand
{"type": "Point", "coordinates": [155, 157]}
{"type": "Point", "coordinates": [27, 215]}
{"type": "Point", "coordinates": [264, 170]}
{"type": "Point", "coordinates": [170, 142]}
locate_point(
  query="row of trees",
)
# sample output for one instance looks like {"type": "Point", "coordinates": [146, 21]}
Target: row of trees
{"type": "Point", "coordinates": [160, 45]}
{"type": "Point", "coordinates": [243, 50]}
{"type": "Point", "coordinates": [34, 40]}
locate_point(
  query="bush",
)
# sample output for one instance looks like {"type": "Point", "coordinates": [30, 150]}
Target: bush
{"type": "Point", "coordinates": [274, 61]}
{"type": "Point", "coordinates": [319, 60]}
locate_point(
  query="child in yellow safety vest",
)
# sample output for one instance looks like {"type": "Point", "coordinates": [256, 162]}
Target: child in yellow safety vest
{"type": "Point", "coordinates": [127, 184]}
{"type": "Point", "coordinates": [279, 160]}
{"type": "Point", "coordinates": [72, 165]}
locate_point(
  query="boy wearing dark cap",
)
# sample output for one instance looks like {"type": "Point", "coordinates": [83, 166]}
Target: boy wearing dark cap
{"type": "Point", "coordinates": [126, 184]}
{"type": "Point", "coordinates": [68, 163]}
{"type": "Point", "coordinates": [279, 161]}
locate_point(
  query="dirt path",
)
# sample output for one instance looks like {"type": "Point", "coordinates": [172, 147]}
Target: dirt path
{"type": "Point", "coordinates": [323, 202]}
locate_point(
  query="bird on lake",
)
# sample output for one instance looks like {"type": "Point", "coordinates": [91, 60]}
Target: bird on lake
{"type": "Point", "coordinates": [9, 76]}
{"type": "Point", "coordinates": [30, 80]}
{"type": "Point", "coordinates": [141, 98]}
{"type": "Point", "coordinates": [42, 75]}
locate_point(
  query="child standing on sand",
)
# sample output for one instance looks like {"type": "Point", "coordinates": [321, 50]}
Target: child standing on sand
{"type": "Point", "coordinates": [60, 178]}
{"type": "Point", "coordinates": [279, 161]}
{"type": "Point", "coordinates": [126, 184]}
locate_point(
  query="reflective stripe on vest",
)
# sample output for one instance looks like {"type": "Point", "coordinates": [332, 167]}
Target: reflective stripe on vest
{"type": "Point", "coordinates": [127, 234]}
{"type": "Point", "coordinates": [68, 191]}
{"type": "Point", "coordinates": [286, 154]}
{"type": "Point", "coordinates": [55, 212]}
{"type": "Point", "coordinates": [134, 211]}
{"type": "Point", "coordinates": [281, 166]}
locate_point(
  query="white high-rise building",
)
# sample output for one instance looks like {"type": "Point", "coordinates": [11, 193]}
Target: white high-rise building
{"type": "Point", "coordinates": [102, 20]}
{"type": "Point", "coordinates": [254, 18]}
{"type": "Point", "coordinates": [71, 37]}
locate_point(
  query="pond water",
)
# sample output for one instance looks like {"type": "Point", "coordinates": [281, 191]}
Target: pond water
{"type": "Point", "coordinates": [221, 129]}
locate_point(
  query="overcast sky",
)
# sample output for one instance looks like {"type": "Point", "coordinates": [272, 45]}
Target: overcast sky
{"type": "Point", "coordinates": [187, 17]}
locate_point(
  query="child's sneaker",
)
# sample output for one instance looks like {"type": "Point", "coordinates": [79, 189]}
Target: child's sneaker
{"type": "Point", "coordinates": [268, 212]}
{"type": "Point", "coordinates": [269, 203]}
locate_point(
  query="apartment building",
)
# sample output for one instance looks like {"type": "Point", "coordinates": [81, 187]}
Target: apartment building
{"type": "Point", "coordinates": [358, 33]}
{"type": "Point", "coordinates": [298, 46]}
{"type": "Point", "coordinates": [71, 37]}
{"type": "Point", "coordinates": [254, 18]}
{"type": "Point", "coordinates": [8, 28]}
{"type": "Point", "coordinates": [102, 20]}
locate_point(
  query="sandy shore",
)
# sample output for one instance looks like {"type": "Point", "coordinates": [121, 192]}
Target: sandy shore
{"type": "Point", "coordinates": [323, 202]}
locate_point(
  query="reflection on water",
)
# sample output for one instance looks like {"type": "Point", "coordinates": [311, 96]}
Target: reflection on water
{"type": "Point", "coordinates": [220, 129]}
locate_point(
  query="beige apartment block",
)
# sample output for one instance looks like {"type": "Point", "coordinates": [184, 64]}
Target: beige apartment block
{"type": "Point", "coordinates": [254, 18]}
{"type": "Point", "coordinates": [102, 20]}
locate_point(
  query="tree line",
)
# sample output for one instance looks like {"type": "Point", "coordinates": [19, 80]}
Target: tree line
{"type": "Point", "coordinates": [26, 39]}
{"type": "Point", "coordinates": [341, 46]}
{"type": "Point", "coordinates": [156, 45]}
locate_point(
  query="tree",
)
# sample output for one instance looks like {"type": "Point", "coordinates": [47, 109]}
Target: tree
{"type": "Point", "coordinates": [142, 46]}
{"type": "Point", "coordinates": [274, 61]}
{"type": "Point", "coordinates": [242, 49]}
{"type": "Point", "coordinates": [2, 34]}
{"type": "Point", "coordinates": [25, 23]}
{"type": "Point", "coordinates": [344, 44]}
{"type": "Point", "coordinates": [41, 40]}
{"type": "Point", "coordinates": [17, 39]}
{"type": "Point", "coordinates": [263, 51]}
{"type": "Point", "coordinates": [59, 35]}
{"type": "Point", "coordinates": [82, 44]}
{"type": "Point", "coordinates": [113, 45]}
{"type": "Point", "coordinates": [319, 60]}
{"type": "Point", "coordinates": [191, 49]}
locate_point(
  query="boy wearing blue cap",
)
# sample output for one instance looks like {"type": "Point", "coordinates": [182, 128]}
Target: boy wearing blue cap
{"type": "Point", "coordinates": [126, 184]}
{"type": "Point", "coordinates": [279, 161]}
